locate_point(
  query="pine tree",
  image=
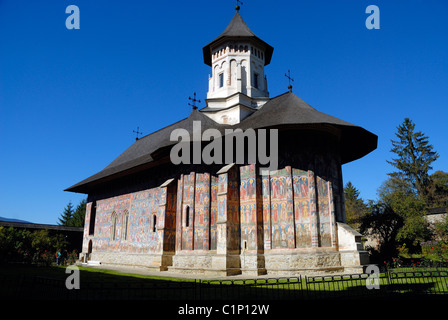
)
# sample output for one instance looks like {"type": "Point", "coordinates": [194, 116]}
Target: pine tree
{"type": "Point", "coordinates": [355, 207]}
{"type": "Point", "coordinates": [79, 214]}
{"type": "Point", "coordinates": [66, 216]}
{"type": "Point", "coordinates": [415, 156]}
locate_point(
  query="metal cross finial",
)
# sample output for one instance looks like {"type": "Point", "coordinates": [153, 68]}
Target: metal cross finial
{"type": "Point", "coordinates": [289, 80]}
{"type": "Point", "coordinates": [237, 7]}
{"type": "Point", "coordinates": [194, 101]}
{"type": "Point", "coordinates": [137, 132]}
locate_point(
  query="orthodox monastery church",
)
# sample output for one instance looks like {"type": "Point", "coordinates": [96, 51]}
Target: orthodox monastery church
{"type": "Point", "coordinates": [228, 218]}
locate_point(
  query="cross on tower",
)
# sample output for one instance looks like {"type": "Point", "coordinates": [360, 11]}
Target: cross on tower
{"type": "Point", "coordinates": [194, 101]}
{"type": "Point", "coordinates": [238, 2]}
{"type": "Point", "coordinates": [137, 132]}
{"type": "Point", "coordinates": [289, 80]}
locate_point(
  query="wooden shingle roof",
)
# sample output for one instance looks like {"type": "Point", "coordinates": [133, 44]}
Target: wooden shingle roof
{"type": "Point", "coordinates": [284, 110]}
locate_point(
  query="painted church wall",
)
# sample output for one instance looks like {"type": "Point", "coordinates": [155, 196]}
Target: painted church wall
{"type": "Point", "coordinates": [141, 236]}
{"type": "Point", "coordinates": [248, 207]}
{"type": "Point", "coordinates": [169, 223]}
{"type": "Point", "coordinates": [213, 211]}
{"type": "Point", "coordinates": [198, 194]}
{"type": "Point", "coordinates": [302, 208]}
{"type": "Point", "coordinates": [289, 208]}
{"type": "Point", "coordinates": [202, 212]}
{"type": "Point", "coordinates": [188, 211]}
{"type": "Point", "coordinates": [282, 219]}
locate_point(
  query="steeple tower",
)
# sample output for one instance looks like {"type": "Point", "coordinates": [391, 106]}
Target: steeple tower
{"type": "Point", "coordinates": [237, 85]}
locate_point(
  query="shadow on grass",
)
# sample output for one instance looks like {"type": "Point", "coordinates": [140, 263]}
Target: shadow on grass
{"type": "Point", "coordinates": [49, 283]}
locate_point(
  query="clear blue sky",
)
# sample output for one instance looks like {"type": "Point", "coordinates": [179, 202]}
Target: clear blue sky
{"type": "Point", "coordinates": [69, 99]}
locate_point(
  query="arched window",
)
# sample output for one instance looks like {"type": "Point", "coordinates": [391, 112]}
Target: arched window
{"type": "Point", "coordinates": [113, 226]}
{"type": "Point", "coordinates": [125, 225]}
{"type": "Point", "coordinates": [221, 80]}
{"type": "Point", "coordinates": [187, 216]}
{"type": "Point", "coordinates": [154, 223]}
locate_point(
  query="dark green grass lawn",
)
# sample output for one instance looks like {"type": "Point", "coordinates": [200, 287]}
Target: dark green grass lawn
{"type": "Point", "coordinates": [24, 281]}
{"type": "Point", "coordinates": [31, 282]}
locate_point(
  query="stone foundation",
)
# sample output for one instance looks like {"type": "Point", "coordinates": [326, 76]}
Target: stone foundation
{"type": "Point", "coordinates": [347, 257]}
{"type": "Point", "coordinates": [302, 262]}
{"type": "Point", "coordinates": [156, 262]}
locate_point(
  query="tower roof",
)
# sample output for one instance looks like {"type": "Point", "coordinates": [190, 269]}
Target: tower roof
{"type": "Point", "coordinates": [237, 29]}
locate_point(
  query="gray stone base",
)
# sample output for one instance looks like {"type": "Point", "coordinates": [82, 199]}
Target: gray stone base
{"type": "Point", "coordinates": [156, 262]}
{"type": "Point", "coordinates": [276, 262]}
{"type": "Point", "coordinates": [295, 263]}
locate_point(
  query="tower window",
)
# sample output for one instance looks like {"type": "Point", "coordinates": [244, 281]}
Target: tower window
{"type": "Point", "coordinates": [221, 80]}
{"type": "Point", "coordinates": [255, 80]}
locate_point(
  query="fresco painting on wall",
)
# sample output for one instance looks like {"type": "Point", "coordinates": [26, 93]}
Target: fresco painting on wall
{"type": "Point", "coordinates": [301, 208]}
{"type": "Point", "coordinates": [282, 214]}
{"type": "Point", "coordinates": [324, 212]}
{"type": "Point", "coordinates": [248, 207]}
{"type": "Point", "coordinates": [202, 212]}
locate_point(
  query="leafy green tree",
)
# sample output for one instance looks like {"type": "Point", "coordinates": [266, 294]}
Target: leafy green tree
{"type": "Point", "coordinates": [382, 224]}
{"type": "Point", "coordinates": [402, 199]}
{"type": "Point", "coordinates": [438, 190]}
{"type": "Point", "coordinates": [415, 156]}
{"type": "Point", "coordinates": [355, 207]}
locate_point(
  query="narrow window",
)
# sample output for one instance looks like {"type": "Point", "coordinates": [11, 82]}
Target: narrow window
{"type": "Point", "coordinates": [125, 225]}
{"type": "Point", "coordinates": [113, 227]}
{"type": "Point", "coordinates": [92, 218]}
{"type": "Point", "coordinates": [256, 80]}
{"type": "Point", "coordinates": [221, 80]}
{"type": "Point", "coordinates": [154, 223]}
{"type": "Point", "coordinates": [187, 216]}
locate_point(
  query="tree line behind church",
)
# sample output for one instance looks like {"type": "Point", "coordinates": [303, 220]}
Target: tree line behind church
{"type": "Point", "coordinates": [396, 220]}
